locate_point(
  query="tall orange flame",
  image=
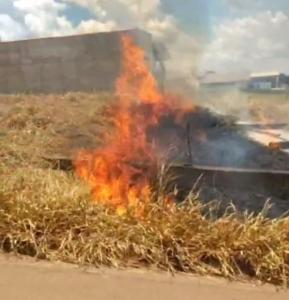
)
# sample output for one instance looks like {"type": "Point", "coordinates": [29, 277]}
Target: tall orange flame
{"type": "Point", "coordinates": [120, 172]}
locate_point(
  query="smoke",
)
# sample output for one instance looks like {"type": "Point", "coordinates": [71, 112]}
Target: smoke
{"type": "Point", "coordinates": [148, 15]}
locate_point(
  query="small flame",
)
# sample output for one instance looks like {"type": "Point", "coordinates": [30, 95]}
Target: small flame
{"type": "Point", "coordinates": [120, 173]}
{"type": "Point", "coordinates": [275, 146]}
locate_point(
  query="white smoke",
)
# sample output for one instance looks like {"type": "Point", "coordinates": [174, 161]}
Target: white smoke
{"type": "Point", "coordinates": [148, 15]}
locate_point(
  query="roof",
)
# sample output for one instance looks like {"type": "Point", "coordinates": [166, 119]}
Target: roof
{"type": "Point", "coordinates": [215, 78]}
{"type": "Point", "coordinates": [132, 31]}
{"type": "Point", "coordinates": [265, 74]}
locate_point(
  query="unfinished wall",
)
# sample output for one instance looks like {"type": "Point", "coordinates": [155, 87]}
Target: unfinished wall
{"type": "Point", "coordinates": [75, 63]}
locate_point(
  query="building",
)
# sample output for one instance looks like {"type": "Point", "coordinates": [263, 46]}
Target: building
{"type": "Point", "coordinates": [269, 81]}
{"type": "Point", "coordinates": [254, 82]}
{"type": "Point", "coordinates": [89, 62]}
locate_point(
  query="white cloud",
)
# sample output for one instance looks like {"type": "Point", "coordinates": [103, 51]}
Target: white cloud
{"type": "Point", "coordinates": [91, 26]}
{"type": "Point", "coordinates": [124, 12]}
{"type": "Point", "coordinates": [255, 42]}
{"type": "Point", "coordinates": [43, 18]}
{"type": "Point", "coordinates": [6, 24]}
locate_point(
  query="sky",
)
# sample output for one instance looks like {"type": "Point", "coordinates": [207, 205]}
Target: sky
{"type": "Point", "coordinates": [218, 35]}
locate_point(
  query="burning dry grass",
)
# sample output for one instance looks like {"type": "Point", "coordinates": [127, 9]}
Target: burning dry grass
{"type": "Point", "coordinates": [49, 215]}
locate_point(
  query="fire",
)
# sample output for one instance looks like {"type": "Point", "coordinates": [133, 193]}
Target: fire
{"type": "Point", "coordinates": [275, 146]}
{"type": "Point", "coordinates": [268, 136]}
{"type": "Point", "coordinates": [120, 173]}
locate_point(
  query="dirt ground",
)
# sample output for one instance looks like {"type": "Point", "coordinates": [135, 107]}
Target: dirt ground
{"type": "Point", "coordinates": [27, 280]}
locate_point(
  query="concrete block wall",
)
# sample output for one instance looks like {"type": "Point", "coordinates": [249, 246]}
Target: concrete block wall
{"type": "Point", "coordinates": [89, 62]}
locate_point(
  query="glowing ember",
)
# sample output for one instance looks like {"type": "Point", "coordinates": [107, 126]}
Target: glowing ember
{"type": "Point", "coordinates": [275, 146]}
{"type": "Point", "coordinates": [120, 173]}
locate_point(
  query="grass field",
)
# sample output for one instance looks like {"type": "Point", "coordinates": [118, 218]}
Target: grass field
{"type": "Point", "coordinates": [48, 214]}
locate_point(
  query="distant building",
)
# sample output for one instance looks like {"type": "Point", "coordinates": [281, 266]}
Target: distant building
{"type": "Point", "coordinates": [266, 82]}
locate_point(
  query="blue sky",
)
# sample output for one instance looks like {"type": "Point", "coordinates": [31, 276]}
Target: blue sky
{"type": "Point", "coordinates": [6, 6]}
{"type": "Point", "coordinates": [77, 13]}
{"type": "Point", "coordinates": [193, 15]}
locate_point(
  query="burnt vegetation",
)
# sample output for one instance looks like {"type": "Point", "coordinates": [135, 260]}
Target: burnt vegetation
{"type": "Point", "coordinates": [48, 213]}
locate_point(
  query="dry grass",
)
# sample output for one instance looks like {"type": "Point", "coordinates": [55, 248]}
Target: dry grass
{"type": "Point", "coordinates": [49, 215]}
{"type": "Point", "coordinates": [258, 107]}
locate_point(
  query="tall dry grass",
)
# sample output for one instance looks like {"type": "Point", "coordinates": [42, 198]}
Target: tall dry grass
{"type": "Point", "coordinates": [49, 214]}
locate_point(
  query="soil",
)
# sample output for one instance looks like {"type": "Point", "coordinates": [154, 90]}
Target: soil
{"type": "Point", "coordinates": [26, 280]}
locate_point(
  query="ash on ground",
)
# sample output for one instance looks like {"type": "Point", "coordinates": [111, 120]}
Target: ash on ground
{"type": "Point", "coordinates": [214, 141]}
{"type": "Point", "coordinates": [217, 141]}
